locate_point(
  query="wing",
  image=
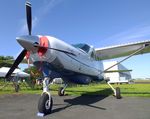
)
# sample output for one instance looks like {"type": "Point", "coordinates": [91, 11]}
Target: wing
{"type": "Point", "coordinates": [123, 50]}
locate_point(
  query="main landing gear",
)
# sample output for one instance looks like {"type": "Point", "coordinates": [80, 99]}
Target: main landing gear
{"type": "Point", "coordinates": [45, 102]}
{"type": "Point", "coordinates": [61, 90]}
{"type": "Point", "coordinates": [15, 83]}
{"type": "Point", "coordinates": [116, 91]}
{"type": "Point", "coordinates": [17, 87]}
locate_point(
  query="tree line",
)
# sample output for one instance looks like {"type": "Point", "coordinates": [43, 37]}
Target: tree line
{"type": "Point", "coordinates": [6, 61]}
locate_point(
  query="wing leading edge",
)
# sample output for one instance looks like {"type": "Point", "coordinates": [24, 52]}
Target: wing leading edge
{"type": "Point", "coordinates": [122, 50]}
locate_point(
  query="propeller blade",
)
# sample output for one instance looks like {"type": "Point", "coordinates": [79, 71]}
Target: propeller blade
{"type": "Point", "coordinates": [16, 63]}
{"type": "Point", "coordinates": [29, 16]}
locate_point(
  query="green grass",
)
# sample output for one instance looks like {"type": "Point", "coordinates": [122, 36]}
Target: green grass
{"type": "Point", "coordinates": [136, 90]}
{"type": "Point", "coordinates": [140, 90]}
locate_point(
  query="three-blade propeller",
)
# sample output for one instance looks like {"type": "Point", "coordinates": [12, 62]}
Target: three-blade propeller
{"type": "Point", "coordinates": [24, 51]}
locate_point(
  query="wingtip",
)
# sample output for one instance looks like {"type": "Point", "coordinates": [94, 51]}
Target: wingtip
{"type": "Point", "coordinates": [28, 3]}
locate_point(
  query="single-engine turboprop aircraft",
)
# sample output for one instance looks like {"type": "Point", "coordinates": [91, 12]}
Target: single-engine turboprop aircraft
{"type": "Point", "coordinates": [78, 63]}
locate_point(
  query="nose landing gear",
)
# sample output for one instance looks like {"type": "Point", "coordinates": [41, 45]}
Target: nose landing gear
{"type": "Point", "coordinates": [45, 103]}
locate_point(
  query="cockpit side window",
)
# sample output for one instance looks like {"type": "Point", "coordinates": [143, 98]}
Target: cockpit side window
{"type": "Point", "coordinates": [84, 47]}
{"type": "Point", "coordinates": [88, 49]}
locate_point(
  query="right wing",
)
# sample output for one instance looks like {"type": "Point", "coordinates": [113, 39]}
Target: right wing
{"type": "Point", "coordinates": [123, 50]}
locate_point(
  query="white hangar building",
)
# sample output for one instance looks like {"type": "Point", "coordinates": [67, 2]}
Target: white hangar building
{"type": "Point", "coordinates": [118, 73]}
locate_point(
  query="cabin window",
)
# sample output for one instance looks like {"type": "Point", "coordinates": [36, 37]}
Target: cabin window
{"type": "Point", "coordinates": [92, 55]}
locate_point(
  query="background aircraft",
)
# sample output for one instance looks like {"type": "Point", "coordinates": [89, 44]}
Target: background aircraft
{"type": "Point", "coordinates": [16, 72]}
{"type": "Point", "coordinates": [15, 76]}
{"type": "Point", "coordinates": [79, 63]}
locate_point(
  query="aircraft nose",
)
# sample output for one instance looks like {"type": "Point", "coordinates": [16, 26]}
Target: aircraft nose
{"type": "Point", "coordinates": [28, 42]}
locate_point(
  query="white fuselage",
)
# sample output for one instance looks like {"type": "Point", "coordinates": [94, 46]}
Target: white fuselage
{"type": "Point", "coordinates": [80, 63]}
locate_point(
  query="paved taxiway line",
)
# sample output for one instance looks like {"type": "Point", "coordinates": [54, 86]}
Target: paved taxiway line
{"type": "Point", "coordinates": [81, 107]}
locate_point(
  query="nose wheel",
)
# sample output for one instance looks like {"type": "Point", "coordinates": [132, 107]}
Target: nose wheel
{"type": "Point", "coordinates": [45, 104]}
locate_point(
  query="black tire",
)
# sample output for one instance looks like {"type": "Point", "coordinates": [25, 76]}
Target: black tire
{"type": "Point", "coordinates": [17, 87]}
{"type": "Point", "coordinates": [118, 94]}
{"type": "Point", "coordinates": [60, 92]}
{"type": "Point", "coordinates": [43, 104]}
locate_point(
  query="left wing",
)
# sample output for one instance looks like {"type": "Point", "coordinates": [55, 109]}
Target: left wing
{"type": "Point", "coordinates": [123, 50]}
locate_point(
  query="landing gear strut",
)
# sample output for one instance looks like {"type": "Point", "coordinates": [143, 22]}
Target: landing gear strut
{"type": "Point", "coordinates": [116, 91]}
{"type": "Point", "coordinates": [45, 102]}
{"type": "Point", "coordinates": [61, 90]}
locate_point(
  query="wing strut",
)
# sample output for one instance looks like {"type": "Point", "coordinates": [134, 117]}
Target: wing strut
{"type": "Point", "coordinates": [116, 91]}
{"type": "Point", "coordinates": [137, 51]}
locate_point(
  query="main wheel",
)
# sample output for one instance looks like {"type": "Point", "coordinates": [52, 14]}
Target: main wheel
{"type": "Point", "coordinates": [43, 105]}
{"type": "Point", "coordinates": [118, 94]}
{"type": "Point", "coordinates": [17, 87]}
{"type": "Point", "coordinates": [61, 92]}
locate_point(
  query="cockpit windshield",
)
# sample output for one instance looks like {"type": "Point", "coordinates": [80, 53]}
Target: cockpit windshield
{"type": "Point", "coordinates": [84, 47]}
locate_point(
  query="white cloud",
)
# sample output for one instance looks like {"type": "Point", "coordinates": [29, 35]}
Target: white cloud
{"type": "Point", "coordinates": [24, 30]}
{"type": "Point", "coordinates": [46, 7]}
{"type": "Point", "coordinates": [137, 33]}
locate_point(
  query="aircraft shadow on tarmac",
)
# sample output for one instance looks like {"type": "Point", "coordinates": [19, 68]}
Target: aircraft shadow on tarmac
{"type": "Point", "coordinates": [86, 99]}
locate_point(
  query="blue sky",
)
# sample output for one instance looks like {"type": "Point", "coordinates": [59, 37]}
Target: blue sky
{"type": "Point", "coordinates": [97, 22]}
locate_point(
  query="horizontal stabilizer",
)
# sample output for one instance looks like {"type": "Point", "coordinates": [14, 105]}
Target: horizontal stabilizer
{"type": "Point", "coordinates": [113, 71]}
